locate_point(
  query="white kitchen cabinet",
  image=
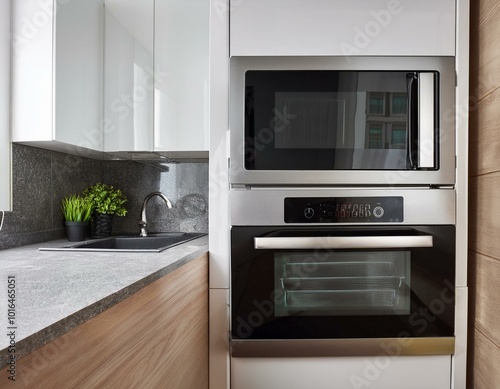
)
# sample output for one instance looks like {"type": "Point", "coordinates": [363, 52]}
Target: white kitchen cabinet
{"type": "Point", "coordinates": [5, 156]}
{"type": "Point", "coordinates": [156, 76]}
{"type": "Point", "coordinates": [128, 75]}
{"type": "Point", "coordinates": [57, 74]}
{"type": "Point", "coordinates": [388, 370]}
{"type": "Point", "coordinates": [339, 27]}
{"type": "Point", "coordinates": [181, 68]}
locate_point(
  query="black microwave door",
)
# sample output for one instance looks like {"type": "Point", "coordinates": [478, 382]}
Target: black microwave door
{"type": "Point", "coordinates": [331, 120]}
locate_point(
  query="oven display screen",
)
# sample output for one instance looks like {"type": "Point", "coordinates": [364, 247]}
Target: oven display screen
{"type": "Point", "coordinates": [344, 209]}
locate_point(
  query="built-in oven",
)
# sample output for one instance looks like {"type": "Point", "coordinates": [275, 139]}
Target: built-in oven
{"type": "Point", "coordinates": [342, 272]}
{"type": "Point", "coordinates": [342, 121]}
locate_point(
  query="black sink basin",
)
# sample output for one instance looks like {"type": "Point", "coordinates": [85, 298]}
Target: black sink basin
{"type": "Point", "coordinates": [154, 242]}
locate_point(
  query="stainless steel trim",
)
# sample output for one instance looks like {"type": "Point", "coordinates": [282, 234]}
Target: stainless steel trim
{"type": "Point", "coordinates": [363, 187]}
{"type": "Point", "coordinates": [342, 242]}
{"type": "Point", "coordinates": [265, 206]}
{"type": "Point", "coordinates": [426, 108]}
{"type": "Point", "coordinates": [342, 347]}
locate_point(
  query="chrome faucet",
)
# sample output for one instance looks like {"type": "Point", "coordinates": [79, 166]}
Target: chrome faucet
{"type": "Point", "coordinates": [143, 223]}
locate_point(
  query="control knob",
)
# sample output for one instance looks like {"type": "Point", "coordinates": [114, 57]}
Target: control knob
{"type": "Point", "coordinates": [378, 212]}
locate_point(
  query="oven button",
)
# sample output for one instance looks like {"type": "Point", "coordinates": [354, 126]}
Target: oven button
{"type": "Point", "coordinates": [309, 212]}
{"type": "Point", "coordinates": [378, 212]}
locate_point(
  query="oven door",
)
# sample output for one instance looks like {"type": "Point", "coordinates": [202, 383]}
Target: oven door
{"type": "Point", "coordinates": [312, 120]}
{"type": "Point", "coordinates": [342, 290]}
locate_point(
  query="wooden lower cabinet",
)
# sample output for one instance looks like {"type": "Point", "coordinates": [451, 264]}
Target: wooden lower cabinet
{"type": "Point", "coordinates": [156, 338]}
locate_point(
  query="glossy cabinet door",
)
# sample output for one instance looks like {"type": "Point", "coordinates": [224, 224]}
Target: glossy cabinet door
{"type": "Point", "coordinates": [339, 27]}
{"type": "Point", "coordinates": [78, 73]}
{"type": "Point", "coordinates": [156, 76]}
{"type": "Point", "coordinates": [5, 158]}
{"type": "Point", "coordinates": [57, 74]}
{"type": "Point", "coordinates": [181, 69]}
{"type": "Point", "coordinates": [128, 75]}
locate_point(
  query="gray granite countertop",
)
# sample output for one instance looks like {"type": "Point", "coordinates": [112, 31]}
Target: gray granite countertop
{"type": "Point", "coordinates": [57, 290]}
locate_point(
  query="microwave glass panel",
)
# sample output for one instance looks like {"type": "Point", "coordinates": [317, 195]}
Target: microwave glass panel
{"type": "Point", "coordinates": [399, 104]}
{"type": "Point", "coordinates": [326, 120]}
{"type": "Point", "coordinates": [311, 118]}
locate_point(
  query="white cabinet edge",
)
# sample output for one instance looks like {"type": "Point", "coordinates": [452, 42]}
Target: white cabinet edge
{"type": "Point", "coordinates": [5, 148]}
{"type": "Point", "coordinates": [5, 176]}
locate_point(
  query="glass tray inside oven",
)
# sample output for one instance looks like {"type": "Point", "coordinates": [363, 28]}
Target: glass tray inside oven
{"type": "Point", "coordinates": [345, 283]}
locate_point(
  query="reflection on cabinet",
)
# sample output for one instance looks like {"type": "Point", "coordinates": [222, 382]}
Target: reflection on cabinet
{"type": "Point", "coordinates": [156, 338]}
{"type": "Point", "coordinates": [181, 66]}
{"type": "Point", "coordinates": [128, 75]}
{"type": "Point", "coordinates": [57, 74]}
{"type": "Point", "coordinates": [161, 108]}
{"type": "Point", "coordinates": [5, 158]}
{"type": "Point", "coordinates": [338, 27]}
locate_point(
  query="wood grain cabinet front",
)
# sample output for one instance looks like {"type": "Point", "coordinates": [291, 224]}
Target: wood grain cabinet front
{"type": "Point", "coordinates": [156, 338]}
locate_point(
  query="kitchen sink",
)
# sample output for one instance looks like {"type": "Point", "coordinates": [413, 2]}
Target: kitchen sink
{"type": "Point", "coordinates": [128, 243]}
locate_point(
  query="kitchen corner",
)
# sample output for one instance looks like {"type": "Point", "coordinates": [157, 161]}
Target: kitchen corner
{"type": "Point", "coordinates": [57, 291]}
{"type": "Point", "coordinates": [83, 103]}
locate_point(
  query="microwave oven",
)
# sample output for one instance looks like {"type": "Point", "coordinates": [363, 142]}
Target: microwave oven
{"type": "Point", "coordinates": [336, 121]}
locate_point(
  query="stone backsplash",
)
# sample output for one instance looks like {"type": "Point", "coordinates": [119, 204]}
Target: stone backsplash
{"type": "Point", "coordinates": [41, 178]}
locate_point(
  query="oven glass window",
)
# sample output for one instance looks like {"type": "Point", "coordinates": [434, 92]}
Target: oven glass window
{"type": "Point", "coordinates": [342, 283]}
{"type": "Point", "coordinates": [324, 293]}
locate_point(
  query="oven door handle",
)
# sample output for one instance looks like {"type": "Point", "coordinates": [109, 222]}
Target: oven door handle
{"type": "Point", "coordinates": [342, 242]}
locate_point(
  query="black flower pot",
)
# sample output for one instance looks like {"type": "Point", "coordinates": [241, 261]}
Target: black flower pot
{"type": "Point", "coordinates": [101, 225]}
{"type": "Point", "coordinates": [75, 231]}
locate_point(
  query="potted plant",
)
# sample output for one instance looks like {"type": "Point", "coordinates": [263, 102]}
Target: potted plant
{"type": "Point", "coordinates": [106, 202]}
{"type": "Point", "coordinates": [77, 211]}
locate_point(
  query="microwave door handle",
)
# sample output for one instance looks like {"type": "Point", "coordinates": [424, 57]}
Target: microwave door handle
{"type": "Point", "coordinates": [342, 242]}
{"type": "Point", "coordinates": [412, 112]}
{"type": "Point", "coordinates": [426, 121]}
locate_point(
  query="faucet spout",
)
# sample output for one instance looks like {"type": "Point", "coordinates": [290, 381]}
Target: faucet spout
{"type": "Point", "coordinates": [143, 222]}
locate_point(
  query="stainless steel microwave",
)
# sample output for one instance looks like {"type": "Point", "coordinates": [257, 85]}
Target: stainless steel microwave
{"type": "Point", "coordinates": [342, 121]}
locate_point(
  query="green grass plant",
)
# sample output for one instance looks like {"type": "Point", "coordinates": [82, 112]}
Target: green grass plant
{"type": "Point", "coordinates": [76, 208]}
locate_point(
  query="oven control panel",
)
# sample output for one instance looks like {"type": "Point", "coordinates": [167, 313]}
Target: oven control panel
{"type": "Point", "coordinates": [344, 209]}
